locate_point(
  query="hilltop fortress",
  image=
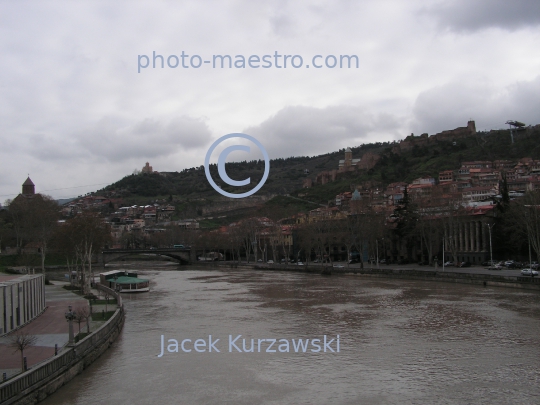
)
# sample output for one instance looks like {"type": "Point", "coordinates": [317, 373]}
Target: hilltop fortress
{"type": "Point", "coordinates": [369, 159]}
{"type": "Point", "coordinates": [423, 140]}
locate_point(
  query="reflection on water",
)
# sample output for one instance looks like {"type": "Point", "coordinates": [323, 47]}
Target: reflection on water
{"type": "Point", "coordinates": [402, 342]}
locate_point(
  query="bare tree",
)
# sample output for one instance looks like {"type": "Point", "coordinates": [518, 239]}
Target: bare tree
{"type": "Point", "coordinates": [5, 230]}
{"type": "Point", "coordinates": [82, 236]}
{"type": "Point", "coordinates": [453, 216]}
{"type": "Point", "coordinates": [249, 229]}
{"type": "Point", "coordinates": [107, 295]}
{"type": "Point", "coordinates": [525, 212]}
{"type": "Point", "coordinates": [17, 209]}
{"type": "Point", "coordinates": [430, 230]}
{"type": "Point", "coordinates": [20, 341]}
{"type": "Point", "coordinates": [360, 225]}
{"type": "Point", "coordinates": [42, 222]}
{"type": "Point", "coordinates": [83, 312]}
{"type": "Point", "coordinates": [79, 318]}
{"type": "Point", "coordinates": [306, 240]}
{"type": "Point", "coordinates": [274, 238]}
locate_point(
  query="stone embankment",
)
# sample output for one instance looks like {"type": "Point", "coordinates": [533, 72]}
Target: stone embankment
{"type": "Point", "coordinates": [45, 378]}
{"type": "Point", "coordinates": [410, 274]}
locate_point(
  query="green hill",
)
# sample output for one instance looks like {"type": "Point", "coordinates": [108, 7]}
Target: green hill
{"type": "Point", "coordinates": [192, 191]}
{"type": "Point", "coordinates": [430, 160]}
{"type": "Point", "coordinates": [286, 175]}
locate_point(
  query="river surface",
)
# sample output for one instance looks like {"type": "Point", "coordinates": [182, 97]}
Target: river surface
{"type": "Point", "coordinates": [401, 342]}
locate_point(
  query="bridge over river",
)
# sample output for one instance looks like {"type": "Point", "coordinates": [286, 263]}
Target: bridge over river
{"type": "Point", "coordinates": [182, 255]}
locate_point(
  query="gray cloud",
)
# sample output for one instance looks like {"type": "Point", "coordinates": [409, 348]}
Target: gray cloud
{"type": "Point", "coordinates": [451, 105]}
{"type": "Point", "coordinates": [145, 139]}
{"type": "Point", "coordinates": [74, 111]}
{"type": "Point", "coordinates": [467, 15]}
{"type": "Point", "coordinates": [303, 130]}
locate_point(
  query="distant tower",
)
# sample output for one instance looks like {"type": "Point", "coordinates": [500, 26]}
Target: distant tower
{"type": "Point", "coordinates": [348, 157]}
{"type": "Point", "coordinates": [28, 188]}
{"type": "Point", "coordinates": [147, 168]}
{"type": "Point", "coordinates": [471, 126]}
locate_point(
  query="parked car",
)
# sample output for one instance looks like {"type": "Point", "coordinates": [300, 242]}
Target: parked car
{"type": "Point", "coordinates": [270, 262]}
{"type": "Point", "coordinates": [465, 264]}
{"type": "Point", "coordinates": [339, 266]}
{"type": "Point", "coordinates": [260, 260]}
{"type": "Point", "coordinates": [529, 272]}
{"type": "Point", "coordinates": [299, 264]}
{"type": "Point", "coordinates": [510, 264]}
{"type": "Point", "coordinates": [449, 264]}
{"type": "Point", "coordinates": [382, 261]}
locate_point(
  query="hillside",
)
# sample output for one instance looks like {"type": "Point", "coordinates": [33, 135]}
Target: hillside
{"type": "Point", "coordinates": [430, 160]}
{"type": "Point", "coordinates": [193, 196]}
{"type": "Point", "coordinates": [286, 175]}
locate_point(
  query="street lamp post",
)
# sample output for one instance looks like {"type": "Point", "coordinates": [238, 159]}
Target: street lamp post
{"type": "Point", "coordinates": [377, 249]}
{"type": "Point", "coordinates": [490, 245]}
{"type": "Point", "coordinates": [530, 256]}
{"type": "Point", "coordinates": [70, 316]}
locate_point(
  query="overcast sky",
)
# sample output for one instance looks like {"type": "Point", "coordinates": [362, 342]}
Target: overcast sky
{"type": "Point", "coordinates": [75, 111]}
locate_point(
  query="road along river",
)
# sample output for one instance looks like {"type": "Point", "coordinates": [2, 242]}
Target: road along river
{"type": "Point", "coordinates": [400, 342]}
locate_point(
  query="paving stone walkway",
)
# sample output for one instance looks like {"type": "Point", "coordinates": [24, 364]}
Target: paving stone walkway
{"type": "Point", "coordinates": [50, 328]}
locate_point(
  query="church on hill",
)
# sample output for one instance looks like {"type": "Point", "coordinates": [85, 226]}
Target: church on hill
{"type": "Point", "coordinates": [28, 188]}
{"type": "Point", "coordinates": [28, 191]}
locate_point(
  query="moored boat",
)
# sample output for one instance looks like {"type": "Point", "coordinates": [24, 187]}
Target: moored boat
{"type": "Point", "coordinates": [124, 282]}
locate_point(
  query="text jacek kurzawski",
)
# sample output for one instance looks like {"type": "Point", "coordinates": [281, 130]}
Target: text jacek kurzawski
{"type": "Point", "coordinates": [238, 344]}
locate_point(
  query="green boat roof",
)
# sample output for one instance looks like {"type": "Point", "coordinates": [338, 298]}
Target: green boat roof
{"type": "Point", "coordinates": [128, 280]}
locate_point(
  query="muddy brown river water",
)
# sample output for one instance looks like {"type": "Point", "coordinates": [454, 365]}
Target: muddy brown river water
{"type": "Point", "coordinates": [401, 342]}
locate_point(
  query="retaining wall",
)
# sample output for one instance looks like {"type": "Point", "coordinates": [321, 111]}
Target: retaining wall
{"type": "Point", "coordinates": [46, 377]}
{"type": "Point", "coordinates": [530, 283]}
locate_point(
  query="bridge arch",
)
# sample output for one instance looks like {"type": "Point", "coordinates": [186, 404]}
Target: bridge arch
{"type": "Point", "coordinates": [183, 256]}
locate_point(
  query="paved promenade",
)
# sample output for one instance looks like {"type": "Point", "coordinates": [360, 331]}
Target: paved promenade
{"type": "Point", "coordinates": [50, 328]}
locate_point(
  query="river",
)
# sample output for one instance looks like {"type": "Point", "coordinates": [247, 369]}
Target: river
{"type": "Point", "coordinates": [400, 342]}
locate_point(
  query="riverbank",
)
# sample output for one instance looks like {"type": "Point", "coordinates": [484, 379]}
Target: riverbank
{"type": "Point", "coordinates": [452, 275]}
{"type": "Point", "coordinates": [401, 342]}
{"type": "Point", "coordinates": [46, 377]}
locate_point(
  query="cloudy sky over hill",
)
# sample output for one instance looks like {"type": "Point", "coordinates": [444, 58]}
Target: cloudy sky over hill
{"type": "Point", "coordinates": [75, 111]}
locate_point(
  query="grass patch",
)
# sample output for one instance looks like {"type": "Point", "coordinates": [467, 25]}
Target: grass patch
{"type": "Point", "coordinates": [104, 302]}
{"type": "Point", "coordinates": [73, 289]}
{"type": "Point", "coordinates": [102, 316]}
{"type": "Point", "coordinates": [81, 336]}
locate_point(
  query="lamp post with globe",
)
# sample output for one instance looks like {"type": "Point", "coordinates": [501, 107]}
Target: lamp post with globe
{"type": "Point", "coordinates": [70, 316]}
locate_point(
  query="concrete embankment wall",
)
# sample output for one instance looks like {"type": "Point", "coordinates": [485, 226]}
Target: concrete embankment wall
{"type": "Point", "coordinates": [409, 274]}
{"type": "Point", "coordinates": [45, 378]}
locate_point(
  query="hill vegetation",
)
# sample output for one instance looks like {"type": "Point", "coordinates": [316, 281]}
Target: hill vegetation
{"type": "Point", "coordinates": [192, 191]}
